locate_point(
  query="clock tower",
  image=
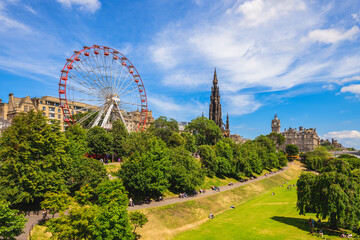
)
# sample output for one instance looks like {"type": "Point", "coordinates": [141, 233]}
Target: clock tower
{"type": "Point", "coordinates": [275, 125]}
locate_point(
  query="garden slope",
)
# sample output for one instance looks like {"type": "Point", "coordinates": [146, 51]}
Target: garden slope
{"type": "Point", "coordinates": [167, 221]}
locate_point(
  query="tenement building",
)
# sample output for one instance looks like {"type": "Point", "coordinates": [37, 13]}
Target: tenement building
{"type": "Point", "coordinates": [305, 139]}
{"type": "Point", "coordinates": [215, 108]}
{"type": "Point", "coordinates": [50, 106]}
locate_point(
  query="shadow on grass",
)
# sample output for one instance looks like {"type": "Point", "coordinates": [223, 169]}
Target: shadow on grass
{"type": "Point", "coordinates": [304, 225]}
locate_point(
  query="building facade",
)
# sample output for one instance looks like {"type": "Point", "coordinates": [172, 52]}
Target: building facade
{"type": "Point", "coordinates": [305, 139]}
{"type": "Point", "coordinates": [3, 124]}
{"type": "Point", "coordinates": [215, 108]}
{"type": "Point", "coordinates": [50, 106]}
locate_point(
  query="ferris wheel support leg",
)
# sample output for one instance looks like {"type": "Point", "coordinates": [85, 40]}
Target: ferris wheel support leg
{"type": "Point", "coordinates": [122, 118]}
{"type": "Point", "coordinates": [106, 119]}
{"type": "Point", "coordinates": [97, 120]}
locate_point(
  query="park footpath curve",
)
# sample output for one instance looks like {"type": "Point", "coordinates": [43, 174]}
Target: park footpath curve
{"type": "Point", "coordinates": [34, 217]}
{"type": "Point", "coordinates": [208, 192]}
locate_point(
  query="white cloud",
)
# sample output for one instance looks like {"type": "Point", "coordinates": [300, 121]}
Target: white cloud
{"type": "Point", "coordinates": [84, 5]}
{"type": "Point", "coordinates": [185, 80]}
{"type": "Point", "coordinates": [346, 80]}
{"type": "Point", "coordinates": [356, 17]}
{"type": "Point", "coordinates": [345, 134]}
{"type": "Point", "coordinates": [354, 88]}
{"type": "Point", "coordinates": [258, 12]}
{"type": "Point", "coordinates": [164, 55]}
{"type": "Point", "coordinates": [333, 35]}
{"type": "Point", "coordinates": [241, 104]}
{"type": "Point", "coordinates": [329, 87]}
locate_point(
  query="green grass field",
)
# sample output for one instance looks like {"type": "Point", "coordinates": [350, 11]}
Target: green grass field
{"type": "Point", "coordinates": [265, 217]}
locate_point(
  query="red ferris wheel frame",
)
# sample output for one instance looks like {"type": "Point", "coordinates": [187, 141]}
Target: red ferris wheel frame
{"type": "Point", "coordinates": [116, 55]}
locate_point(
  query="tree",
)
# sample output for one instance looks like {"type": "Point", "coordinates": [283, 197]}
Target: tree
{"type": "Point", "coordinates": [291, 150]}
{"type": "Point", "coordinates": [85, 196]}
{"type": "Point", "coordinates": [33, 159]}
{"type": "Point", "coordinates": [176, 140]}
{"type": "Point", "coordinates": [190, 141]}
{"type": "Point", "coordinates": [146, 174]}
{"type": "Point", "coordinates": [11, 223]}
{"type": "Point", "coordinates": [186, 173]}
{"type": "Point", "coordinates": [99, 141]}
{"type": "Point", "coordinates": [56, 202]}
{"type": "Point", "coordinates": [205, 131]}
{"type": "Point", "coordinates": [77, 144]}
{"type": "Point", "coordinates": [208, 159]}
{"type": "Point", "coordinates": [113, 190]}
{"type": "Point", "coordinates": [119, 135]}
{"type": "Point", "coordinates": [278, 139]}
{"type": "Point", "coordinates": [163, 128]}
{"type": "Point", "coordinates": [137, 219]}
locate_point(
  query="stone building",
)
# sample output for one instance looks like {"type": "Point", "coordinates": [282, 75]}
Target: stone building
{"type": "Point", "coordinates": [4, 124]}
{"type": "Point", "coordinates": [215, 108]}
{"type": "Point", "coordinates": [305, 139]}
{"type": "Point", "coordinates": [50, 106]}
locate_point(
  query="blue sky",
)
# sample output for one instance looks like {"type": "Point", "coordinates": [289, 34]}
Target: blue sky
{"type": "Point", "coordinates": [297, 58]}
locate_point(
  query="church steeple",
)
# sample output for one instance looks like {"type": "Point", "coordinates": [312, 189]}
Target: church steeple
{"type": "Point", "coordinates": [215, 80]}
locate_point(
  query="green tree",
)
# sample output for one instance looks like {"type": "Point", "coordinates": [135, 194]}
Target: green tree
{"type": "Point", "coordinates": [208, 159]}
{"type": "Point", "coordinates": [146, 174]}
{"type": "Point", "coordinates": [138, 220]}
{"type": "Point", "coordinates": [186, 173]}
{"type": "Point", "coordinates": [99, 141]}
{"type": "Point", "coordinates": [176, 140]}
{"type": "Point", "coordinates": [113, 190]}
{"type": "Point", "coordinates": [119, 135]}
{"type": "Point", "coordinates": [205, 131]}
{"type": "Point", "coordinates": [291, 150]}
{"type": "Point", "coordinates": [86, 195]}
{"type": "Point", "coordinates": [11, 223]}
{"type": "Point", "coordinates": [163, 128]}
{"type": "Point", "coordinates": [190, 141]}
{"type": "Point", "coordinates": [56, 202]}
{"type": "Point", "coordinates": [33, 159]}
{"type": "Point", "coordinates": [278, 139]}
{"type": "Point", "coordinates": [79, 223]}
{"type": "Point", "coordinates": [77, 144]}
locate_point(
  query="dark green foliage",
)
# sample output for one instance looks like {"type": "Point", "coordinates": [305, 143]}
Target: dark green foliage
{"type": "Point", "coordinates": [11, 223]}
{"type": "Point", "coordinates": [146, 174]}
{"type": "Point", "coordinates": [332, 195]}
{"type": "Point", "coordinates": [119, 135]}
{"type": "Point", "coordinates": [186, 173]}
{"type": "Point", "coordinates": [205, 131]}
{"type": "Point", "coordinates": [33, 159]}
{"type": "Point", "coordinates": [208, 159]}
{"type": "Point", "coordinates": [316, 159]}
{"type": "Point", "coordinates": [291, 150]}
{"type": "Point", "coordinates": [163, 128]}
{"type": "Point", "coordinates": [278, 139]}
{"type": "Point", "coordinates": [190, 141]}
{"type": "Point", "coordinates": [99, 141]}
{"type": "Point", "coordinates": [77, 142]}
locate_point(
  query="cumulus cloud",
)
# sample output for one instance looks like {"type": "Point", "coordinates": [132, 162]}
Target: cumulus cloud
{"type": "Point", "coordinates": [354, 88]}
{"type": "Point", "coordinates": [346, 134]}
{"type": "Point", "coordinates": [84, 5]}
{"type": "Point", "coordinates": [333, 35]}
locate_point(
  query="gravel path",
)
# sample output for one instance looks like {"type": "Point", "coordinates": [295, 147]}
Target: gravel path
{"type": "Point", "coordinates": [34, 217]}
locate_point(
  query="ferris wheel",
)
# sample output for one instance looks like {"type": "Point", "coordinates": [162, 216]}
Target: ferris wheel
{"type": "Point", "coordinates": [99, 85]}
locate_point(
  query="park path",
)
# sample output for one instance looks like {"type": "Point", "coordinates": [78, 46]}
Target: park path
{"type": "Point", "coordinates": [208, 192]}
{"type": "Point", "coordinates": [34, 217]}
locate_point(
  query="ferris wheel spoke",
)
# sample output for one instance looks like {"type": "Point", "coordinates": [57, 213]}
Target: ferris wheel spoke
{"type": "Point", "coordinates": [120, 91]}
{"type": "Point", "coordinates": [84, 84]}
{"type": "Point", "coordinates": [96, 62]}
{"type": "Point", "coordinates": [84, 91]}
{"type": "Point", "coordinates": [123, 82]}
{"type": "Point", "coordinates": [89, 79]}
{"type": "Point", "coordinates": [129, 91]}
{"type": "Point", "coordinates": [88, 115]}
{"type": "Point", "coordinates": [129, 103]}
{"type": "Point", "coordinates": [122, 118]}
{"type": "Point", "coordinates": [89, 63]}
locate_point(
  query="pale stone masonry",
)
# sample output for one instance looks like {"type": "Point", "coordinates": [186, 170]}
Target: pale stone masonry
{"type": "Point", "coordinates": [305, 139]}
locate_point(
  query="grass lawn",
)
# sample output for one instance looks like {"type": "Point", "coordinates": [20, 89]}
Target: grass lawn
{"type": "Point", "coordinates": [38, 233]}
{"type": "Point", "coordinates": [112, 168]}
{"type": "Point", "coordinates": [265, 217]}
